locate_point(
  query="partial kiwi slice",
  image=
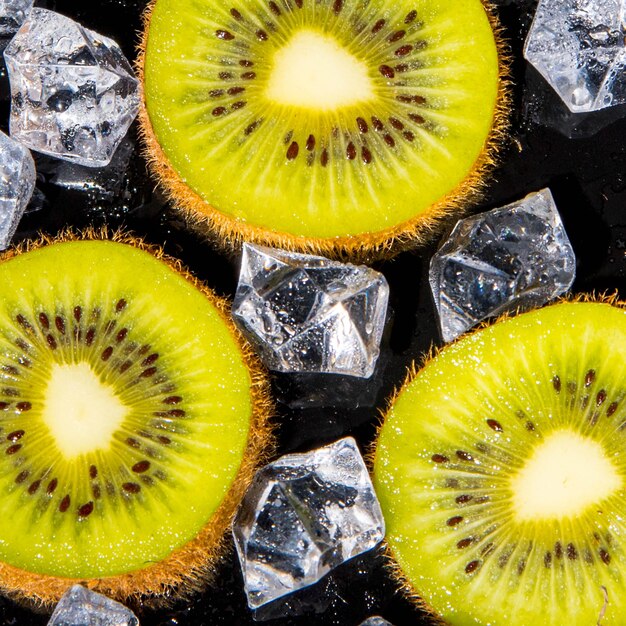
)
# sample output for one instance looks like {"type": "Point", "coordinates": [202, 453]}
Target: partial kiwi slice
{"type": "Point", "coordinates": [501, 472]}
{"type": "Point", "coordinates": [335, 126]}
{"type": "Point", "coordinates": [132, 417]}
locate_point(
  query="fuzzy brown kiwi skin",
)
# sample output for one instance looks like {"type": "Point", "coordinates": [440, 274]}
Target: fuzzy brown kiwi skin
{"type": "Point", "coordinates": [230, 233]}
{"type": "Point", "coordinates": [404, 585]}
{"type": "Point", "coordinates": [189, 568]}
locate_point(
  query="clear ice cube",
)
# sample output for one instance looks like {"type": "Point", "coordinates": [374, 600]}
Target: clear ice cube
{"type": "Point", "coordinates": [376, 621]}
{"type": "Point", "coordinates": [82, 607]}
{"type": "Point", "coordinates": [17, 183]}
{"type": "Point", "coordinates": [12, 14]}
{"type": "Point", "coordinates": [579, 46]}
{"type": "Point", "coordinates": [516, 256]}
{"type": "Point", "coordinates": [303, 515]}
{"type": "Point", "coordinates": [306, 313]}
{"type": "Point", "coordinates": [73, 93]}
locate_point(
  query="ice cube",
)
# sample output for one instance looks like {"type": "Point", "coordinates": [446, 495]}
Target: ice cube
{"type": "Point", "coordinates": [17, 183]}
{"type": "Point", "coordinates": [73, 93]}
{"type": "Point", "coordinates": [303, 515]}
{"type": "Point", "coordinates": [516, 256]}
{"type": "Point", "coordinates": [376, 621]}
{"type": "Point", "coordinates": [579, 47]}
{"type": "Point", "coordinates": [12, 14]}
{"type": "Point", "coordinates": [82, 607]}
{"type": "Point", "coordinates": [306, 313]}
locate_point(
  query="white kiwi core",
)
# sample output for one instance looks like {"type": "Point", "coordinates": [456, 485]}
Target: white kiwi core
{"type": "Point", "coordinates": [314, 71]}
{"type": "Point", "coordinates": [566, 473]}
{"type": "Point", "coordinates": [81, 411]}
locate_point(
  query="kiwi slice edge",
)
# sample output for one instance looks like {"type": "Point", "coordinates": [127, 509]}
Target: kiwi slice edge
{"type": "Point", "coordinates": [189, 567]}
{"type": "Point", "coordinates": [230, 232]}
{"type": "Point", "coordinates": [591, 597]}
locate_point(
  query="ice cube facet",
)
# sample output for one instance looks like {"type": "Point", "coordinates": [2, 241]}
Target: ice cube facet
{"type": "Point", "coordinates": [17, 183]}
{"type": "Point", "coordinates": [579, 47]}
{"type": "Point", "coordinates": [303, 515]}
{"type": "Point", "coordinates": [516, 256]}
{"type": "Point", "coordinates": [376, 621]}
{"type": "Point", "coordinates": [81, 607]}
{"type": "Point", "coordinates": [73, 93]}
{"type": "Point", "coordinates": [306, 313]}
{"type": "Point", "coordinates": [12, 14]}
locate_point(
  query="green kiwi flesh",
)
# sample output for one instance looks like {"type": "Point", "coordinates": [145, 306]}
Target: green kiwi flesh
{"type": "Point", "coordinates": [389, 126]}
{"type": "Point", "coordinates": [501, 472]}
{"type": "Point", "coordinates": [126, 406]}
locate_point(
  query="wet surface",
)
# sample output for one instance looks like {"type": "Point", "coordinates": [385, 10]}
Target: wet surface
{"type": "Point", "coordinates": [546, 148]}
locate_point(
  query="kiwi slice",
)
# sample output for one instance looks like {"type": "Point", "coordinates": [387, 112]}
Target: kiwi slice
{"type": "Point", "coordinates": [501, 472]}
{"type": "Point", "coordinates": [335, 126]}
{"type": "Point", "coordinates": [132, 417]}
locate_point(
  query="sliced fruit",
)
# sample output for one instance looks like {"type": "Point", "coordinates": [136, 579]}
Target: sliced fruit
{"type": "Point", "coordinates": [132, 417]}
{"type": "Point", "coordinates": [331, 126]}
{"type": "Point", "coordinates": [500, 470]}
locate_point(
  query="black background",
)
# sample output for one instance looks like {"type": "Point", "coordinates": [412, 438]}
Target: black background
{"type": "Point", "coordinates": [584, 166]}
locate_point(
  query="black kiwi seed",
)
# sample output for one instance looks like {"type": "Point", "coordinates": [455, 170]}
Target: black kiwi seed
{"type": "Point", "coordinates": [464, 543]}
{"type": "Point", "coordinates": [44, 321]}
{"type": "Point", "coordinates": [571, 551]}
{"type": "Point", "coordinates": [558, 550]}
{"type": "Point", "coordinates": [23, 322]}
{"type": "Point", "coordinates": [59, 322]}
{"type": "Point", "coordinates": [141, 466]}
{"type": "Point", "coordinates": [173, 400]}
{"type": "Point", "coordinates": [65, 504]}
{"type": "Point", "coordinates": [131, 488]}
{"type": "Point", "coordinates": [86, 509]}
{"type": "Point", "coordinates": [378, 26]}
